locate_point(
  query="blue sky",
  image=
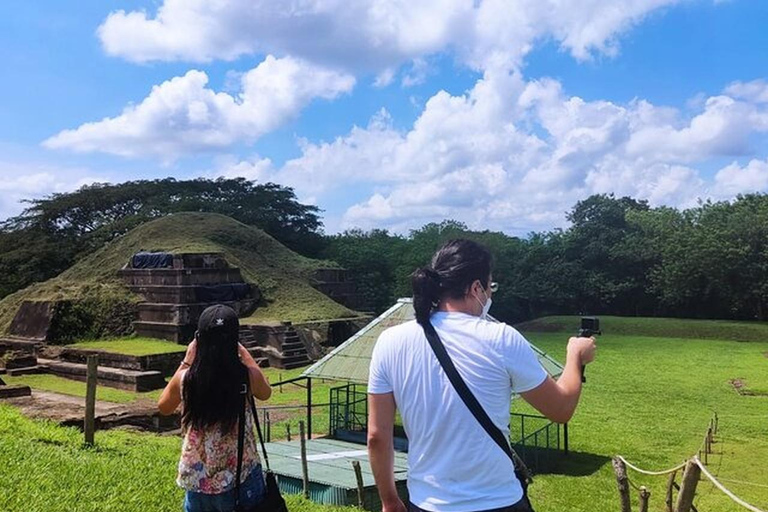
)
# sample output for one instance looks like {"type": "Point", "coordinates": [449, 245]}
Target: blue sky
{"type": "Point", "coordinates": [540, 106]}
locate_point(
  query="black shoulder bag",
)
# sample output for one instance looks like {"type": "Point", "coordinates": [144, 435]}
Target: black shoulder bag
{"type": "Point", "coordinates": [521, 471]}
{"type": "Point", "coordinates": [273, 501]}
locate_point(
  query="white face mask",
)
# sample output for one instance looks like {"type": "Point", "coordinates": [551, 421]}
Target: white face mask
{"type": "Point", "coordinates": [486, 307]}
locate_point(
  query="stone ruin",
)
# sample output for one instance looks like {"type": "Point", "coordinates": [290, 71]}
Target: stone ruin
{"type": "Point", "coordinates": [179, 287]}
{"type": "Point", "coordinates": [176, 288]}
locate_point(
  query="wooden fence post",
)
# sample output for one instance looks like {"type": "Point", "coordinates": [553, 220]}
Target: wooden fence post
{"type": "Point", "coordinates": [90, 398]}
{"type": "Point", "coordinates": [623, 482]}
{"type": "Point", "coordinates": [288, 431]}
{"type": "Point", "coordinates": [360, 486]}
{"type": "Point", "coordinates": [688, 487]}
{"type": "Point", "coordinates": [645, 495]}
{"type": "Point", "coordinates": [304, 468]}
{"type": "Point", "coordinates": [670, 488]}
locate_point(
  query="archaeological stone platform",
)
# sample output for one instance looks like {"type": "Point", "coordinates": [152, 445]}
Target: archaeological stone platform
{"type": "Point", "coordinates": [180, 288]}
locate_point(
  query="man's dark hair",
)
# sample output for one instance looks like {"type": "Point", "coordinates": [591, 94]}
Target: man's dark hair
{"type": "Point", "coordinates": [455, 266]}
{"type": "Point", "coordinates": [212, 385]}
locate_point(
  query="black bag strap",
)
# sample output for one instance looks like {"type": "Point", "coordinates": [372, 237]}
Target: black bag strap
{"type": "Point", "coordinates": [240, 445]}
{"type": "Point", "coordinates": [247, 397]}
{"type": "Point", "coordinates": [258, 429]}
{"type": "Point", "coordinates": [471, 402]}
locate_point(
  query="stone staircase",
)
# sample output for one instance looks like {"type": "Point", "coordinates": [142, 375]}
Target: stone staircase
{"type": "Point", "coordinates": [175, 296]}
{"type": "Point", "coordinates": [279, 345]}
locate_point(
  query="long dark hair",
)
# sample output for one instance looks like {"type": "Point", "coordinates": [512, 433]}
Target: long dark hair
{"type": "Point", "coordinates": [213, 384]}
{"type": "Point", "coordinates": [454, 267]}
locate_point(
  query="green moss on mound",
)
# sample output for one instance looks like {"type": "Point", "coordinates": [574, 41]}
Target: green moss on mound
{"type": "Point", "coordinates": [132, 346]}
{"type": "Point", "coordinates": [282, 275]}
{"type": "Point", "coordinates": [656, 327]}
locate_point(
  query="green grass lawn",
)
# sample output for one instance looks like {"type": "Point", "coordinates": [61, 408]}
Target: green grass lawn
{"type": "Point", "coordinates": [46, 468]}
{"type": "Point", "coordinates": [657, 327]}
{"type": "Point", "coordinates": [650, 400]}
{"type": "Point", "coordinates": [131, 345]}
{"type": "Point", "coordinates": [647, 398]}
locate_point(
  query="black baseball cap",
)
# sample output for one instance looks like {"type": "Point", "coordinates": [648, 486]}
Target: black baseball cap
{"type": "Point", "coordinates": [218, 320]}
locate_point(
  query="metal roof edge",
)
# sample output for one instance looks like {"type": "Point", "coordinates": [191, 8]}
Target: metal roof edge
{"type": "Point", "coordinates": [358, 334]}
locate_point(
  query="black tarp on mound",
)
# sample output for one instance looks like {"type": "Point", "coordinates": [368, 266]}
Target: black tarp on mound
{"type": "Point", "coordinates": [223, 292]}
{"type": "Point", "coordinates": [152, 260]}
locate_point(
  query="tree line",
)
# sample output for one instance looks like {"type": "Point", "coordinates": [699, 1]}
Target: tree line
{"type": "Point", "coordinates": [617, 255]}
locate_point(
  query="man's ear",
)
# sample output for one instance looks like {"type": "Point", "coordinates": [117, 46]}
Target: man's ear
{"type": "Point", "coordinates": [473, 288]}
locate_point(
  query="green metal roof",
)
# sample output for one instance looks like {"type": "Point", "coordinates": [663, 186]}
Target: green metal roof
{"type": "Point", "coordinates": [331, 475]}
{"type": "Point", "coordinates": [350, 360]}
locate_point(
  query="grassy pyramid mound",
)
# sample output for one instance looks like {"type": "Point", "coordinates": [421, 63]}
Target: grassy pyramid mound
{"type": "Point", "coordinates": [282, 275]}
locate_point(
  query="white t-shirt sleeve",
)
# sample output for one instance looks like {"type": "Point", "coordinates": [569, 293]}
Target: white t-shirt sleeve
{"type": "Point", "coordinates": [379, 380]}
{"type": "Point", "coordinates": [521, 362]}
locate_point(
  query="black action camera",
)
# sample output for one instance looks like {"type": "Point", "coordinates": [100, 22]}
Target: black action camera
{"type": "Point", "coordinates": [590, 326]}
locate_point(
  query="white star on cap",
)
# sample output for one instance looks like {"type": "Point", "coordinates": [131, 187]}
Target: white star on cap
{"type": "Point", "coordinates": [219, 321]}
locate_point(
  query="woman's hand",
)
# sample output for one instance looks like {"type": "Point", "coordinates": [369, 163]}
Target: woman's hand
{"type": "Point", "coordinates": [245, 357]}
{"type": "Point", "coordinates": [189, 357]}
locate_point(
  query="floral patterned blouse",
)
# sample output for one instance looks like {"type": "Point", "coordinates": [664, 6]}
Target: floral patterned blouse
{"type": "Point", "coordinates": [209, 458]}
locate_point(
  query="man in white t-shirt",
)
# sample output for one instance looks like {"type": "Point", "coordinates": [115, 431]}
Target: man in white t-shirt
{"type": "Point", "coordinates": [453, 464]}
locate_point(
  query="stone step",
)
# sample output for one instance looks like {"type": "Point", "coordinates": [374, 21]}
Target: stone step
{"type": "Point", "coordinates": [294, 352]}
{"type": "Point", "coordinates": [163, 363]}
{"type": "Point", "coordinates": [165, 331]}
{"type": "Point", "coordinates": [111, 377]}
{"type": "Point", "coordinates": [189, 294]}
{"type": "Point", "coordinates": [27, 345]}
{"type": "Point", "coordinates": [187, 313]}
{"type": "Point", "coordinates": [288, 362]}
{"type": "Point", "coordinates": [14, 391]}
{"type": "Point", "coordinates": [29, 370]}
{"type": "Point", "coordinates": [296, 364]}
{"type": "Point", "coordinates": [172, 276]}
{"type": "Point", "coordinates": [15, 360]}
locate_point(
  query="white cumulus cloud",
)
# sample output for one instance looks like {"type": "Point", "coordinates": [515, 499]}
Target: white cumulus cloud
{"type": "Point", "coordinates": [20, 181]}
{"type": "Point", "coordinates": [735, 179]}
{"type": "Point", "coordinates": [369, 34]}
{"type": "Point", "coordinates": [515, 155]}
{"type": "Point", "coordinates": [184, 115]}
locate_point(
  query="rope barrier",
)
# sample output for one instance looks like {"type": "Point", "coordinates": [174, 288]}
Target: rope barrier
{"type": "Point", "coordinates": [652, 473]}
{"type": "Point", "coordinates": [742, 482]}
{"type": "Point", "coordinates": [723, 488]}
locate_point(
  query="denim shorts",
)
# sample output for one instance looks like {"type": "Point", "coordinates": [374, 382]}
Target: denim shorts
{"type": "Point", "coordinates": [252, 492]}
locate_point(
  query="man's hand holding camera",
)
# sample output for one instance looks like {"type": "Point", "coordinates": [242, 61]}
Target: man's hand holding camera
{"type": "Point", "coordinates": [583, 349]}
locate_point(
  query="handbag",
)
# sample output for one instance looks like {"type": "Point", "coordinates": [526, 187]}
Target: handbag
{"type": "Point", "coordinates": [521, 471]}
{"type": "Point", "coordinates": [273, 501]}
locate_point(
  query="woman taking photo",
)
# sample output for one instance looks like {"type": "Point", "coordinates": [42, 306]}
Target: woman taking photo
{"type": "Point", "coordinates": [208, 384]}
